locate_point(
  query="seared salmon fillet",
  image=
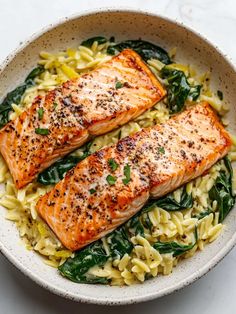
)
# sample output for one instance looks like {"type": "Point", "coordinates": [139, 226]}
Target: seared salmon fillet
{"type": "Point", "coordinates": [68, 116]}
{"type": "Point", "coordinates": [110, 186]}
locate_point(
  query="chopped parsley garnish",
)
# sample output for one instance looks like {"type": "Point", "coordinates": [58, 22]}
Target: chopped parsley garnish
{"type": "Point", "coordinates": [92, 191]}
{"type": "Point", "coordinates": [40, 113]}
{"type": "Point", "coordinates": [111, 180]}
{"type": "Point", "coordinates": [55, 105]}
{"type": "Point", "coordinates": [127, 174]}
{"type": "Point", "coordinates": [161, 150]}
{"type": "Point", "coordinates": [42, 131]}
{"type": "Point", "coordinates": [112, 164]}
{"type": "Point", "coordinates": [220, 94]}
{"type": "Point", "coordinates": [119, 85]}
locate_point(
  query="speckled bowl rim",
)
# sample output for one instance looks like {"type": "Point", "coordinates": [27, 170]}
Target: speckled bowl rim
{"type": "Point", "coordinates": [155, 294]}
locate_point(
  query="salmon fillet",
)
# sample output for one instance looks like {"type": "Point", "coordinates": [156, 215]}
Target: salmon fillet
{"type": "Point", "coordinates": [95, 103]}
{"type": "Point", "coordinates": [97, 195]}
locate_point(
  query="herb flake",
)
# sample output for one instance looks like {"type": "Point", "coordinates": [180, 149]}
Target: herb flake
{"type": "Point", "coordinates": [112, 164]}
{"type": "Point", "coordinates": [161, 150]}
{"type": "Point", "coordinates": [92, 191]}
{"type": "Point", "coordinates": [42, 131]}
{"type": "Point", "coordinates": [119, 85]}
{"type": "Point", "coordinates": [40, 113]}
{"type": "Point", "coordinates": [220, 94]}
{"type": "Point", "coordinates": [111, 179]}
{"type": "Point", "coordinates": [126, 180]}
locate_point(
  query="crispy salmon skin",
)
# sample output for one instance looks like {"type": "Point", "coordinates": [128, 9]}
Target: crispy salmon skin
{"type": "Point", "coordinates": [95, 103]}
{"type": "Point", "coordinates": [110, 186]}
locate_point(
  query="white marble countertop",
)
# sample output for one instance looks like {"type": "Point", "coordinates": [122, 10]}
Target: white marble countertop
{"type": "Point", "coordinates": [214, 293]}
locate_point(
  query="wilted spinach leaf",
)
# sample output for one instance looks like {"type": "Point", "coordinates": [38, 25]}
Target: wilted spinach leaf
{"type": "Point", "coordinates": [14, 97]}
{"type": "Point", "coordinates": [146, 221]}
{"type": "Point", "coordinates": [203, 214]}
{"type": "Point", "coordinates": [174, 247]}
{"type": "Point", "coordinates": [119, 243]}
{"type": "Point", "coordinates": [55, 172]}
{"type": "Point", "coordinates": [88, 42]}
{"type": "Point", "coordinates": [76, 268]}
{"type": "Point", "coordinates": [195, 92]}
{"type": "Point", "coordinates": [222, 191]}
{"type": "Point", "coordinates": [135, 225]}
{"type": "Point", "coordinates": [145, 49]}
{"type": "Point", "coordinates": [177, 90]}
{"type": "Point", "coordinates": [169, 203]}
{"type": "Point", "coordinates": [33, 74]}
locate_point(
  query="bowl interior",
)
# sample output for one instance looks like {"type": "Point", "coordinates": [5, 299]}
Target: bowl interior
{"type": "Point", "coordinates": [191, 49]}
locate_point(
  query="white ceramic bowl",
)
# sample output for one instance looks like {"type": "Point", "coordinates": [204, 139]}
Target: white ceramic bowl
{"type": "Point", "coordinates": [192, 49]}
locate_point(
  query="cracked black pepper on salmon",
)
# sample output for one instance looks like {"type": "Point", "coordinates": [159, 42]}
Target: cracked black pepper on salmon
{"type": "Point", "coordinates": [151, 163]}
{"type": "Point", "coordinates": [70, 115]}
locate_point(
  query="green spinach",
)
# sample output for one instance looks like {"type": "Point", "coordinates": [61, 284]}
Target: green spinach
{"type": "Point", "coordinates": [89, 42]}
{"type": "Point", "coordinates": [174, 247]}
{"type": "Point", "coordinates": [195, 92]}
{"type": "Point", "coordinates": [145, 49]}
{"type": "Point", "coordinates": [76, 268]}
{"type": "Point", "coordinates": [55, 172]}
{"type": "Point", "coordinates": [177, 90]}
{"type": "Point", "coordinates": [222, 191]}
{"type": "Point", "coordinates": [135, 225]}
{"type": "Point", "coordinates": [14, 97]}
{"type": "Point", "coordinates": [33, 74]}
{"type": "Point", "coordinates": [119, 243]}
{"type": "Point", "coordinates": [169, 203]}
{"type": "Point", "coordinates": [203, 214]}
{"type": "Point", "coordinates": [146, 221]}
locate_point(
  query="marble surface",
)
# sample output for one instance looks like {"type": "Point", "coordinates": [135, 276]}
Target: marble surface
{"type": "Point", "coordinates": [214, 293]}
